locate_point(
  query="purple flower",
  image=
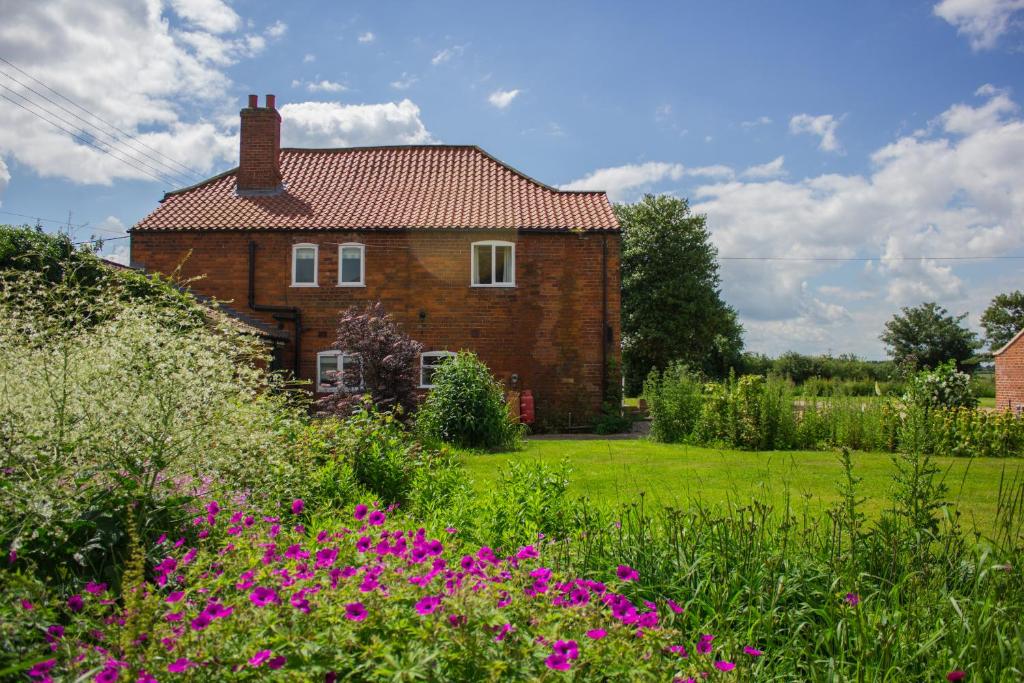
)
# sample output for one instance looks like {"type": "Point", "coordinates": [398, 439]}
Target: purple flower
{"type": "Point", "coordinates": [174, 596]}
{"type": "Point", "coordinates": [527, 552]}
{"type": "Point", "coordinates": [179, 665]}
{"type": "Point", "coordinates": [174, 616]}
{"type": "Point", "coordinates": [704, 644]}
{"type": "Point", "coordinates": [674, 607]}
{"type": "Point", "coordinates": [569, 648]}
{"type": "Point", "coordinates": [326, 557]}
{"type": "Point", "coordinates": [376, 518]}
{"type": "Point", "coordinates": [852, 599]}
{"type": "Point", "coordinates": [956, 675]}
{"type": "Point", "coordinates": [201, 622]}
{"type": "Point", "coordinates": [677, 650]}
{"type": "Point", "coordinates": [56, 631]}
{"type": "Point", "coordinates": [27, 605]}
{"type": "Point", "coordinates": [725, 666]}
{"type": "Point", "coordinates": [558, 662]}
{"type": "Point", "coordinates": [626, 573]}
{"type": "Point", "coordinates": [354, 611]}
{"type": "Point", "coordinates": [428, 604]}
{"type": "Point", "coordinates": [259, 658]}
{"type": "Point", "coordinates": [503, 631]}
{"type": "Point", "coordinates": [107, 675]}
{"type": "Point", "coordinates": [261, 596]}
{"type": "Point", "coordinates": [297, 506]}
{"type": "Point", "coordinates": [76, 603]}
{"type": "Point", "coordinates": [596, 634]}
{"type": "Point", "coordinates": [360, 512]}
{"type": "Point", "coordinates": [145, 677]}
{"type": "Point", "coordinates": [277, 662]}
{"type": "Point", "coordinates": [41, 669]}
{"type": "Point", "coordinates": [753, 652]}
{"type": "Point", "coordinates": [215, 610]}
{"type": "Point", "coordinates": [95, 588]}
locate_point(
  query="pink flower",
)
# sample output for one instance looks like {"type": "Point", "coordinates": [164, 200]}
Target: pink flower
{"type": "Point", "coordinates": [27, 605]}
{"type": "Point", "coordinates": [297, 506]}
{"type": "Point", "coordinates": [326, 557]}
{"type": "Point", "coordinates": [201, 622]}
{"type": "Point", "coordinates": [354, 611]}
{"type": "Point", "coordinates": [360, 512]}
{"type": "Point", "coordinates": [277, 662]}
{"type": "Point", "coordinates": [262, 597]}
{"type": "Point", "coordinates": [752, 651]}
{"type": "Point", "coordinates": [376, 518]}
{"type": "Point", "coordinates": [503, 631]}
{"type": "Point", "coordinates": [174, 596]}
{"type": "Point", "coordinates": [259, 658]}
{"type": "Point", "coordinates": [626, 573]}
{"type": "Point", "coordinates": [428, 604]}
{"type": "Point", "coordinates": [41, 669]}
{"type": "Point", "coordinates": [558, 662]}
{"type": "Point", "coordinates": [956, 675]}
{"type": "Point", "coordinates": [725, 666]}
{"type": "Point", "coordinates": [76, 603]}
{"type": "Point", "coordinates": [596, 634]}
{"type": "Point", "coordinates": [179, 665]}
{"type": "Point", "coordinates": [852, 599]}
{"type": "Point", "coordinates": [704, 644]}
{"type": "Point", "coordinates": [569, 648]}
{"type": "Point", "coordinates": [95, 588]}
{"type": "Point", "coordinates": [145, 677]}
{"type": "Point", "coordinates": [174, 616]}
{"type": "Point", "coordinates": [677, 650]}
{"type": "Point", "coordinates": [527, 552]}
{"type": "Point", "coordinates": [674, 607]}
{"type": "Point", "coordinates": [107, 675]}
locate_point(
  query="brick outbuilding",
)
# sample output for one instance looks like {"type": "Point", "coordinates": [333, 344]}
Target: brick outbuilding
{"type": "Point", "coordinates": [465, 251]}
{"type": "Point", "coordinates": [1010, 375]}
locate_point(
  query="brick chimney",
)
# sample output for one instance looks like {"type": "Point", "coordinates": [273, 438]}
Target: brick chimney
{"type": "Point", "coordinates": [259, 158]}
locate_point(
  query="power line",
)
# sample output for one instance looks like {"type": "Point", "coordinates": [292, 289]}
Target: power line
{"type": "Point", "coordinates": [868, 258]}
{"type": "Point", "coordinates": [164, 177]}
{"type": "Point", "coordinates": [84, 140]}
{"type": "Point", "coordinates": [100, 239]}
{"type": "Point", "coordinates": [193, 172]}
{"type": "Point", "coordinates": [46, 220]}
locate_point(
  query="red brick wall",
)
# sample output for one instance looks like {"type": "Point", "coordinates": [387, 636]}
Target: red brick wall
{"type": "Point", "coordinates": [1010, 376]}
{"type": "Point", "coordinates": [547, 329]}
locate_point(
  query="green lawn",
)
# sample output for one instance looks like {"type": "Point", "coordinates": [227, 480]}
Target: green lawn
{"type": "Point", "coordinates": [616, 471]}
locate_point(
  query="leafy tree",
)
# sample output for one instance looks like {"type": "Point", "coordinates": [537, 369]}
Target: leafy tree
{"type": "Point", "coordinates": [672, 308]}
{"type": "Point", "coordinates": [1003, 318]}
{"type": "Point", "coordinates": [387, 362]}
{"type": "Point", "coordinates": [926, 336]}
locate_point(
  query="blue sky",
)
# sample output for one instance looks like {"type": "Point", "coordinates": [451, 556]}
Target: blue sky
{"type": "Point", "coordinates": [867, 130]}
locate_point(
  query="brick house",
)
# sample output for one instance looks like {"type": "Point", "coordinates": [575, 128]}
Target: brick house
{"type": "Point", "coordinates": [1010, 375]}
{"type": "Point", "coordinates": [465, 251]}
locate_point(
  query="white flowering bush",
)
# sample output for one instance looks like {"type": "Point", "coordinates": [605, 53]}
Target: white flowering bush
{"type": "Point", "coordinates": [943, 387]}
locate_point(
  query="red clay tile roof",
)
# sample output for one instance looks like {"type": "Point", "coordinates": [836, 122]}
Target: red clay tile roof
{"type": "Point", "coordinates": [426, 186]}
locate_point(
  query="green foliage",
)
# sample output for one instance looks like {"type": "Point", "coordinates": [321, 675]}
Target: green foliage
{"type": "Point", "coordinates": [926, 336]}
{"type": "Point", "coordinates": [943, 387]}
{"type": "Point", "coordinates": [467, 408]}
{"type": "Point", "coordinates": [672, 309]}
{"type": "Point", "coordinates": [529, 502]}
{"type": "Point", "coordinates": [1003, 319]}
{"type": "Point", "coordinates": [674, 400]}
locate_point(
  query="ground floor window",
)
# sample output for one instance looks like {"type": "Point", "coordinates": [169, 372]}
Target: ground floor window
{"type": "Point", "coordinates": [430, 361]}
{"type": "Point", "coordinates": [338, 371]}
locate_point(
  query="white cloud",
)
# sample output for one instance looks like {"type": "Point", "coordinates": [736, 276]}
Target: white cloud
{"type": "Point", "coordinates": [447, 54]}
{"type": "Point", "coordinates": [502, 98]}
{"type": "Point", "coordinates": [714, 171]}
{"type": "Point", "coordinates": [823, 126]}
{"type": "Point", "coordinates": [759, 121]}
{"type": "Point", "coordinates": [332, 124]}
{"type": "Point", "coordinates": [404, 82]}
{"type": "Point", "coordinates": [209, 15]}
{"type": "Point", "coordinates": [772, 169]}
{"type": "Point", "coordinates": [5, 177]}
{"type": "Point", "coordinates": [963, 118]}
{"type": "Point", "coordinates": [277, 29]}
{"type": "Point", "coordinates": [164, 85]}
{"type": "Point", "coordinates": [622, 182]}
{"type": "Point", "coordinates": [982, 21]}
{"type": "Point", "coordinates": [309, 58]}
{"type": "Point", "coordinates": [325, 86]}
{"type": "Point", "coordinates": [367, 37]}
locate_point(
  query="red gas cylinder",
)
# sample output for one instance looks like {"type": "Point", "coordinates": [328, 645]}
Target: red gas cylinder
{"type": "Point", "coordinates": [526, 407]}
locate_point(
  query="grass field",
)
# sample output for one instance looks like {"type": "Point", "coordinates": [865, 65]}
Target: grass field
{"type": "Point", "coordinates": [617, 471]}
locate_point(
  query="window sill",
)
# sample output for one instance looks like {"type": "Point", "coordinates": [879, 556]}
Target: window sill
{"type": "Point", "coordinates": [351, 284]}
{"type": "Point", "coordinates": [510, 285]}
{"type": "Point", "coordinates": [302, 285]}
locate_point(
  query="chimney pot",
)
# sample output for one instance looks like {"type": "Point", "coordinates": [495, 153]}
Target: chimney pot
{"type": "Point", "coordinates": [254, 101]}
{"type": "Point", "coordinates": [271, 102]}
{"type": "Point", "coordinates": [259, 157]}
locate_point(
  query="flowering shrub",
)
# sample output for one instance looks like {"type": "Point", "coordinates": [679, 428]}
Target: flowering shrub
{"type": "Point", "coordinates": [371, 601]}
{"type": "Point", "coordinates": [943, 387]}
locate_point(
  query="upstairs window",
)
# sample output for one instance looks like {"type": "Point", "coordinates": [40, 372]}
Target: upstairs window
{"type": "Point", "coordinates": [494, 264]}
{"type": "Point", "coordinates": [304, 265]}
{"type": "Point", "coordinates": [429, 363]}
{"type": "Point", "coordinates": [337, 371]}
{"type": "Point", "coordinates": [351, 265]}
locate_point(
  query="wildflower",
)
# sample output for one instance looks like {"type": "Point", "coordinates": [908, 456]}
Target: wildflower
{"type": "Point", "coordinates": [174, 616]}
{"type": "Point", "coordinates": [558, 662]}
{"type": "Point", "coordinates": [76, 603]}
{"type": "Point", "coordinates": [212, 507]}
{"type": "Point", "coordinates": [300, 602]}
{"type": "Point", "coordinates": [956, 675]}
{"type": "Point", "coordinates": [753, 652]}
{"type": "Point", "coordinates": [725, 666]}
{"type": "Point", "coordinates": [451, 530]}
{"type": "Point", "coordinates": [502, 631]}
{"type": "Point", "coordinates": [852, 599]}
{"type": "Point", "coordinates": [376, 518]}
{"type": "Point", "coordinates": [245, 580]}
{"type": "Point", "coordinates": [363, 544]}
{"type": "Point", "coordinates": [174, 596]}
{"type": "Point", "coordinates": [354, 611]}
{"type": "Point", "coordinates": [106, 675]}
{"type": "Point", "coordinates": [626, 573]}
{"type": "Point", "coordinates": [677, 650]}
{"type": "Point", "coordinates": [674, 607]}
{"type": "Point", "coordinates": [261, 596]}
{"type": "Point", "coordinates": [456, 620]}
{"type": "Point", "coordinates": [190, 555]}
{"type": "Point", "coordinates": [277, 662]}
{"type": "Point", "coordinates": [527, 552]}
{"type": "Point", "coordinates": [569, 648]}
{"type": "Point", "coordinates": [434, 547]}
{"type": "Point", "coordinates": [145, 677]}
{"type": "Point", "coordinates": [295, 552]}
{"type": "Point", "coordinates": [41, 669]}
{"type": "Point", "coordinates": [179, 665]}
{"type": "Point", "coordinates": [428, 604]}
{"type": "Point", "coordinates": [215, 610]}
{"type": "Point", "coordinates": [27, 605]}
{"type": "Point", "coordinates": [704, 644]}
{"type": "Point", "coordinates": [201, 622]}
{"type": "Point", "coordinates": [95, 588]}
{"type": "Point", "coordinates": [360, 512]}
{"type": "Point", "coordinates": [259, 658]}
{"type": "Point", "coordinates": [596, 634]}
{"type": "Point", "coordinates": [297, 506]}
{"type": "Point", "coordinates": [55, 631]}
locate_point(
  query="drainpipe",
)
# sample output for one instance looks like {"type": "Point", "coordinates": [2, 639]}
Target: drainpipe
{"type": "Point", "coordinates": [604, 317]}
{"type": "Point", "coordinates": [280, 313]}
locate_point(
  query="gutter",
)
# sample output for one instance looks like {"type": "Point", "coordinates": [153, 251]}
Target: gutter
{"type": "Point", "coordinates": [280, 313]}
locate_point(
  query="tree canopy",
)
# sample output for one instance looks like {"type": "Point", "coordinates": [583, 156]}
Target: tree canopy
{"type": "Point", "coordinates": [672, 308]}
{"type": "Point", "coordinates": [926, 336]}
{"type": "Point", "coordinates": [1003, 318]}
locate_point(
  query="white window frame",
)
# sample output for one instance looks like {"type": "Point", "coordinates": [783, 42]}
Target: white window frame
{"type": "Point", "coordinates": [342, 359]}
{"type": "Point", "coordinates": [473, 275]}
{"type": "Point", "coordinates": [316, 264]}
{"type": "Point", "coordinates": [431, 354]}
{"type": "Point", "coordinates": [362, 264]}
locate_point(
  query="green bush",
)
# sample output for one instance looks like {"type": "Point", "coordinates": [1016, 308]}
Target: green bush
{"type": "Point", "coordinates": [674, 402]}
{"type": "Point", "coordinates": [943, 387]}
{"type": "Point", "coordinates": [467, 408]}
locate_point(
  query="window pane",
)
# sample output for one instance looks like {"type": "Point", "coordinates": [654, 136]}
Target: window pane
{"type": "Point", "coordinates": [503, 264]}
{"type": "Point", "coordinates": [305, 265]}
{"type": "Point", "coordinates": [351, 264]}
{"type": "Point", "coordinates": [328, 368]}
{"type": "Point", "coordinates": [483, 265]}
{"type": "Point", "coordinates": [352, 372]}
